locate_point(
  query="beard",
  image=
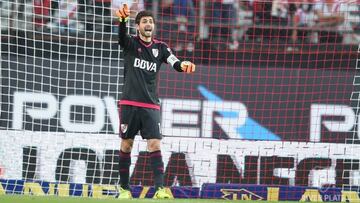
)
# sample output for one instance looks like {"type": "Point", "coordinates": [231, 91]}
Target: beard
{"type": "Point", "coordinates": [146, 33]}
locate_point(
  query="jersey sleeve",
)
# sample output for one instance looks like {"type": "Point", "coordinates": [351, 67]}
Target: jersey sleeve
{"type": "Point", "coordinates": [125, 40]}
{"type": "Point", "coordinates": [171, 59]}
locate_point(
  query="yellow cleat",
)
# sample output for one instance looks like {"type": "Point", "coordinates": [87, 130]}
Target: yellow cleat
{"type": "Point", "coordinates": [124, 194]}
{"type": "Point", "coordinates": [161, 193]}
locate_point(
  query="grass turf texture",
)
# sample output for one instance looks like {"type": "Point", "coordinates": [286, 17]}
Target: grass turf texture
{"type": "Point", "coordinates": [47, 199]}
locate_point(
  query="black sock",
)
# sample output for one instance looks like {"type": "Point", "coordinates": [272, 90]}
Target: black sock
{"type": "Point", "coordinates": [157, 166]}
{"type": "Point", "coordinates": [124, 165]}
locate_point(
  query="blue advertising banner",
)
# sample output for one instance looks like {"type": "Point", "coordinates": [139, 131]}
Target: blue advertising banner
{"type": "Point", "coordinates": [277, 193]}
{"type": "Point", "coordinates": [41, 188]}
{"type": "Point", "coordinates": [207, 191]}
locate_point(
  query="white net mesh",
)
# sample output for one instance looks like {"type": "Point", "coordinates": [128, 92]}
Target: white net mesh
{"type": "Point", "coordinates": [261, 109]}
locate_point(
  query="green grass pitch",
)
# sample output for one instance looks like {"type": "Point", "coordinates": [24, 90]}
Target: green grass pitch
{"type": "Point", "coordinates": [47, 199]}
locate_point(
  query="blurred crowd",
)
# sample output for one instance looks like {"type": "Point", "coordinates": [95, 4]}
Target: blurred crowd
{"type": "Point", "coordinates": [224, 23]}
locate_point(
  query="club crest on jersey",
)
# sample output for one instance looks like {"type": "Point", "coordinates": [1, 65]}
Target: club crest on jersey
{"type": "Point", "coordinates": [145, 65]}
{"type": "Point", "coordinates": [123, 128]}
{"type": "Point", "coordinates": [155, 52]}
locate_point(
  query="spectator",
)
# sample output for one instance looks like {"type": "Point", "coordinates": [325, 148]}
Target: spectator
{"type": "Point", "coordinates": [223, 22]}
{"type": "Point", "coordinates": [261, 16]}
{"type": "Point", "coordinates": [303, 18]}
{"type": "Point", "coordinates": [328, 19]}
{"type": "Point", "coordinates": [351, 22]}
{"type": "Point", "coordinates": [283, 13]}
{"type": "Point", "coordinates": [65, 16]}
{"type": "Point", "coordinates": [19, 15]}
{"type": "Point", "coordinates": [41, 13]}
{"type": "Point", "coordinates": [261, 11]}
{"type": "Point", "coordinates": [185, 17]}
{"type": "Point", "coordinates": [178, 22]}
{"type": "Point", "coordinates": [279, 12]}
{"type": "Point", "coordinates": [245, 18]}
{"type": "Point", "coordinates": [273, 19]}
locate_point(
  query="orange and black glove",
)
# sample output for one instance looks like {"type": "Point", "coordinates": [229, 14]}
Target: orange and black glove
{"type": "Point", "coordinates": [187, 66]}
{"type": "Point", "coordinates": [123, 13]}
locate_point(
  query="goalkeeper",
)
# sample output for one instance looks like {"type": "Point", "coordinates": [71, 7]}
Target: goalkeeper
{"type": "Point", "coordinates": [140, 106]}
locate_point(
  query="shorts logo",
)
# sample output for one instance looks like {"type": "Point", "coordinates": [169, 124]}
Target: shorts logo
{"type": "Point", "coordinates": [155, 52]}
{"type": "Point", "coordinates": [123, 128]}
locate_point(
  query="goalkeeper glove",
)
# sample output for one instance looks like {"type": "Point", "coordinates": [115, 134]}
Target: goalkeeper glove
{"type": "Point", "coordinates": [187, 66]}
{"type": "Point", "coordinates": [123, 13]}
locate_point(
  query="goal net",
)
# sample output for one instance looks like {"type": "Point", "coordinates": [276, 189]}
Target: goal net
{"type": "Point", "coordinates": [270, 113]}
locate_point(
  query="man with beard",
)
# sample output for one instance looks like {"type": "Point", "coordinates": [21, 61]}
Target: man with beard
{"type": "Point", "coordinates": [140, 105]}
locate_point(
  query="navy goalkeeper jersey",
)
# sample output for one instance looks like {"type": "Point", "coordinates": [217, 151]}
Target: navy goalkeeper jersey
{"type": "Point", "coordinates": [142, 62]}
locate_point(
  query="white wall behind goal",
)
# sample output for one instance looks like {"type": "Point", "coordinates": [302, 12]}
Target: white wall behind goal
{"type": "Point", "coordinates": [201, 154]}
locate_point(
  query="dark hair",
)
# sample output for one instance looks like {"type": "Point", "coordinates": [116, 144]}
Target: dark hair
{"type": "Point", "coordinates": [142, 14]}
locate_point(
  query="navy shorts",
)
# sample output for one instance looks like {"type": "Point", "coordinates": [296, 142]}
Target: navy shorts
{"type": "Point", "coordinates": [135, 119]}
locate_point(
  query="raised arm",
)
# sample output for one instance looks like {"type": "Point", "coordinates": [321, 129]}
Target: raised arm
{"type": "Point", "coordinates": [123, 14]}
